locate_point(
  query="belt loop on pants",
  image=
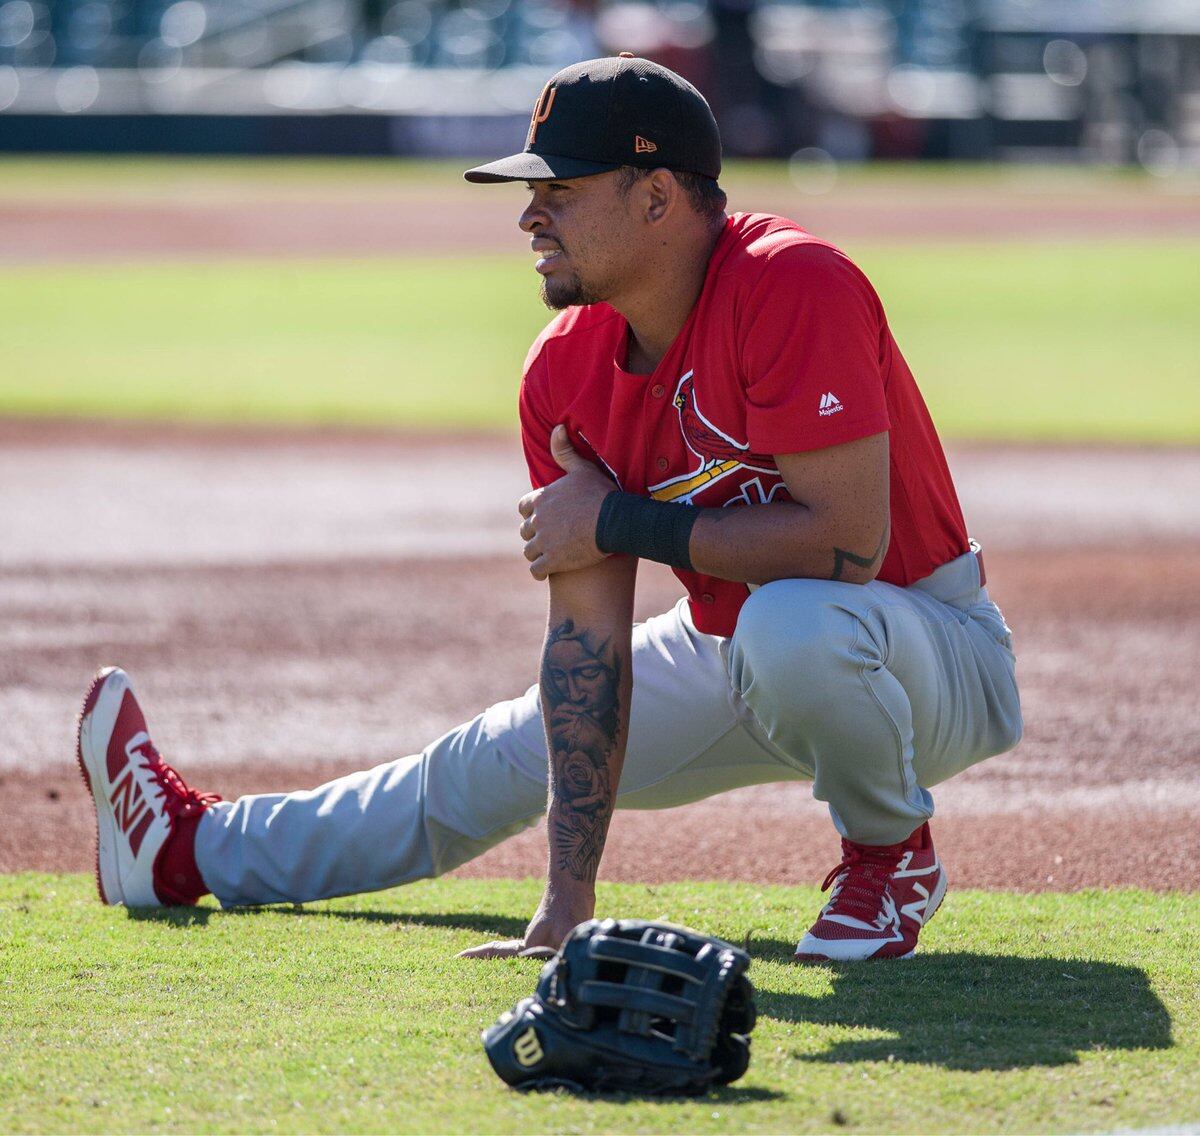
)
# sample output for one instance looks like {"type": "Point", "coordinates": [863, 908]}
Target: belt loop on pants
{"type": "Point", "coordinates": [977, 548]}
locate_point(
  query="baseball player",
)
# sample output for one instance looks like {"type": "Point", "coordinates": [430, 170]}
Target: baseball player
{"type": "Point", "coordinates": [720, 393]}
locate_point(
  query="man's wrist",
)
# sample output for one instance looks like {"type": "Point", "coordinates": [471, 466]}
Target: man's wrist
{"type": "Point", "coordinates": [567, 891]}
{"type": "Point", "coordinates": [574, 900]}
{"type": "Point", "coordinates": [648, 529]}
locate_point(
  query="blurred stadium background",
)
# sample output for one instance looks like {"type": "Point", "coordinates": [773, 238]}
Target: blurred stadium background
{"type": "Point", "coordinates": [1103, 81]}
{"type": "Point", "coordinates": [253, 210]}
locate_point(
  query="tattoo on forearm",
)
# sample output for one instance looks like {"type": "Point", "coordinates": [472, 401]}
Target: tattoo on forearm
{"type": "Point", "coordinates": [843, 556]}
{"type": "Point", "coordinates": [581, 679]}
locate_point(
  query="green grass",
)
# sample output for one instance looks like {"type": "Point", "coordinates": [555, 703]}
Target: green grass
{"type": "Point", "coordinates": [1050, 341]}
{"type": "Point", "coordinates": [1010, 341]}
{"type": "Point", "coordinates": [413, 342]}
{"type": "Point", "coordinates": [25, 177]}
{"type": "Point", "coordinates": [1025, 1014]}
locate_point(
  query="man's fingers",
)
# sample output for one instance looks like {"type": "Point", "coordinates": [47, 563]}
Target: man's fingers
{"type": "Point", "coordinates": [540, 568]}
{"type": "Point", "coordinates": [496, 949]}
{"type": "Point", "coordinates": [532, 551]}
{"type": "Point", "coordinates": [561, 449]}
{"type": "Point", "coordinates": [526, 504]}
{"type": "Point", "coordinates": [527, 530]}
{"type": "Point", "coordinates": [506, 948]}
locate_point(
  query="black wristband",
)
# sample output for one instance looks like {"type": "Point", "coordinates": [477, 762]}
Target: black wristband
{"type": "Point", "coordinates": [649, 529]}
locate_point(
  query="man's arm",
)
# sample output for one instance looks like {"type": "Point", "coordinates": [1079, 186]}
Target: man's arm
{"type": "Point", "coordinates": [585, 691]}
{"type": "Point", "coordinates": [836, 527]}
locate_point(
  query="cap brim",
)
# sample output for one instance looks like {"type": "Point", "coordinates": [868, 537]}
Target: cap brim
{"type": "Point", "coordinates": [536, 167]}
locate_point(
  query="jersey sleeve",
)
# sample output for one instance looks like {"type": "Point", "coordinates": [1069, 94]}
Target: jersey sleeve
{"type": "Point", "coordinates": [537, 420]}
{"type": "Point", "coordinates": [812, 353]}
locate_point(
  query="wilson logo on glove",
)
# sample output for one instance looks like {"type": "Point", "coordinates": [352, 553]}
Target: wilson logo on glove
{"type": "Point", "coordinates": [630, 1006]}
{"type": "Point", "coordinates": [527, 1049]}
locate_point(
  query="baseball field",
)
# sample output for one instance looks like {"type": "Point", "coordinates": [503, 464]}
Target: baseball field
{"type": "Point", "coordinates": [257, 445]}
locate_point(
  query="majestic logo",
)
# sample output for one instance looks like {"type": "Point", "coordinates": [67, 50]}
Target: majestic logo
{"type": "Point", "coordinates": [541, 112]}
{"type": "Point", "coordinates": [643, 145]}
{"type": "Point", "coordinates": [719, 454]}
{"type": "Point", "coordinates": [830, 405]}
{"type": "Point", "coordinates": [527, 1049]}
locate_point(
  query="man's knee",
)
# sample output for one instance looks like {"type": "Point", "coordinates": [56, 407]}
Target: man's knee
{"type": "Point", "coordinates": [1006, 723]}
{"type": "Point", "coordinates": [796, 638]}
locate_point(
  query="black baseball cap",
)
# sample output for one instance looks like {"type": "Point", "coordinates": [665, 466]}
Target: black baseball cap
{"type": "Point", "coordinates": [604, 113]}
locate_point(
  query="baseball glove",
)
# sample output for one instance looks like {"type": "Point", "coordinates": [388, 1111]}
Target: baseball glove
{"type": "Point", "coordinates": [630, 1006]}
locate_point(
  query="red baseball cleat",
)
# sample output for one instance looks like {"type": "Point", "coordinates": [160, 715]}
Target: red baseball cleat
{"type": "Point", "coordinates": [882, 897]}
{"type": "Point", "coordinates": [141, 803]}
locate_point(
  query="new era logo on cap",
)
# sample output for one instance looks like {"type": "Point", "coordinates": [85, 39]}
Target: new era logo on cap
{"type": "Point", "coordinates": [642, 145]}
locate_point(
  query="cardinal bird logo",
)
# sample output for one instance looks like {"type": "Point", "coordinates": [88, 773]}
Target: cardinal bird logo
{"type": "Point", "coordinates": [719, 454]}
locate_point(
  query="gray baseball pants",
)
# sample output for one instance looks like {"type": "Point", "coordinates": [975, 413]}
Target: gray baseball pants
{"type": "Point", "coordinates": [874, 693]}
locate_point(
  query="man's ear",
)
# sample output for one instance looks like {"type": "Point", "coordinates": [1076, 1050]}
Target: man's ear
{"type": "Point", "coordinates": [662, 192]}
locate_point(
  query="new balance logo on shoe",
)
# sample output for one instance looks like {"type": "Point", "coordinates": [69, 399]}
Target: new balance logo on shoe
{"type": "Point", "coordinates": [127, 802]}
{"type": "Point", "coordinates": [883, 895]}
{"type": "Point", "coordinates": [830, 405]}
{"type": "Point", "coordinates": [133, 815]}
{"type": "Point", "coordinates": [916, 909]}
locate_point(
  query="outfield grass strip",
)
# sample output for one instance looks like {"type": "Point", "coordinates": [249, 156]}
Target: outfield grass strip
{"type": "Point", "coordinates": [1045, 1013]}
{"type": "Point", "coordinates": [1042, 341]}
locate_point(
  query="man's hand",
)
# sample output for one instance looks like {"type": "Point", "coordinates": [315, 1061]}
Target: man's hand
{"type": "Point", "coordinates": [559, 528]}
{"type": "Point", "coordinates": [554, 920]}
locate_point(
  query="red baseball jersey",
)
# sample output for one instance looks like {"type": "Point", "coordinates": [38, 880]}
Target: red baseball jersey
{"type": "Point", "coordinates": [786, 350]}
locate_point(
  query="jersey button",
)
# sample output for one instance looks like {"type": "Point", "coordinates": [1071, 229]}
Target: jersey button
{"type": "Point", "coordinates": [658, 390]}
{"type": "Point", "coordinates": [662, 464]}
{"type": "Point", "coordinates": [708, 598]}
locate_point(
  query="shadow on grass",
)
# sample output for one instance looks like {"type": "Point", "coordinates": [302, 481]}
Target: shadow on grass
{"type": "Point", "coordinates": [723, 1094]}
{"type": "Point", "coordinates": [971, 1012]}
{"type": "Point", "coordinates": [961, 1011]}
{"type": "Point", "coordinates": [485, 923]}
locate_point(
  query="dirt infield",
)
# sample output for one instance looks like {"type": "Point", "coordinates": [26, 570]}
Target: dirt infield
{"type": "Point", "coordinates": [297, 605]}
{"type": "Point", "coordinates": [203, 211]}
